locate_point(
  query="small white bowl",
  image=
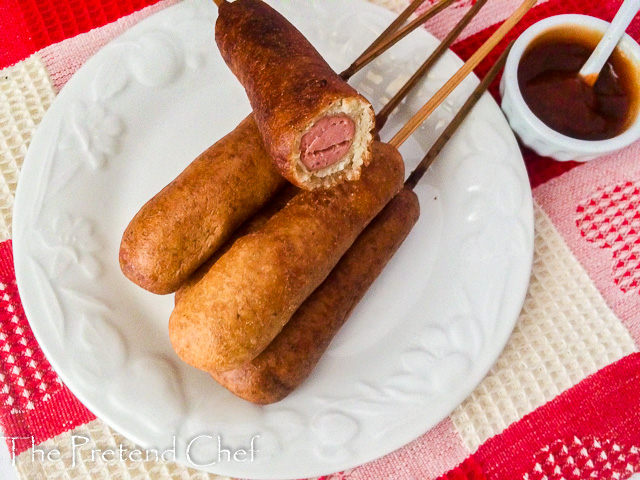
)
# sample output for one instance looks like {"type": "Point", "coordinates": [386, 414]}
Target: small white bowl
{"type": "Point", "coordinates": [531, 130]}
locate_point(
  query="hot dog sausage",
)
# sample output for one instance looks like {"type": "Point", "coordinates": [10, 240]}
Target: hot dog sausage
{"type": "Point", "coordinates": [250, 293]}
{"type": "Point", "coordinates": [180, 227]}
{"type": "Point", "coordinates": [317, 128]}
{"type": "Point", "coordinates": [295, 351]}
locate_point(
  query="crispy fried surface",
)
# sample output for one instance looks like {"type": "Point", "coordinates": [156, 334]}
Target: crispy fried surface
{"type": "Point", "coordinates": [295, 351]}
{"type": "Point", "coordinates": [180, 227]}
{"type": "Point", "coordinates": [250, 293]}
{"type": "Point", "coordinates": [289, 85]}
{"type": "Point", "coordinates": [250, 226]}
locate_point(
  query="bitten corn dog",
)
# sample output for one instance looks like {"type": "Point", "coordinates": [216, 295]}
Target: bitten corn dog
{"type": "Point", "coordinates": [249, 294]}
{"type": "Point", "coordinates": [316, 128]}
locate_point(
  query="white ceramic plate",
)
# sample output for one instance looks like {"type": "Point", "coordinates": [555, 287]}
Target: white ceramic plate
{"type": "Point", "coordinates": [423, 337]}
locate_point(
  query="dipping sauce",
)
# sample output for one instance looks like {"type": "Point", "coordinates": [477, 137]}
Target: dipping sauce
{"type": "Point", "coordinates": [554, 91]}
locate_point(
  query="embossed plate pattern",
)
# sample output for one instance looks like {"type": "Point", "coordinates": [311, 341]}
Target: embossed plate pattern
{"type": "Point", "coordinates": [426, 333]}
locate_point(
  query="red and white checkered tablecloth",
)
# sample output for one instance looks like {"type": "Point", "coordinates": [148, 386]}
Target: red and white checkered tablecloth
{"type": "Point", "coordinates": [561, 402]}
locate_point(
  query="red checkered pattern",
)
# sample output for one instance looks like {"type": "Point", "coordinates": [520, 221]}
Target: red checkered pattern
{"type": "Point", "coordinates": [592, 427]}
{"type": "Point", "coordinates": [27, 377]}
{"type": "Point", "coordinates": [611, 220]}
{"type": "Point", "coordinates": [578, 459]}
{"type": "Point", "coordinates": [34, 403]}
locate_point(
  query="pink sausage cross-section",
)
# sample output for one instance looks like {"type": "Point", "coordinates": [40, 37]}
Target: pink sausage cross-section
{"type": "Point", "coordinates": [327, 141]}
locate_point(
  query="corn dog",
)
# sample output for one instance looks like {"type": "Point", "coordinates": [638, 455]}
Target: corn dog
{"type": "Point", "coordinates": [180, 227]}
{"type": "Point", "coordinates": [249, 294]}
{"type": "Point", "coordinates": [295, 351]}
{"type": "Point", "coordinates": [317, 128]}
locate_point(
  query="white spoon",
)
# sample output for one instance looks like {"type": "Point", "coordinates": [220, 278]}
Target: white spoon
{"type": "Point", "coordinates": [591, 69]}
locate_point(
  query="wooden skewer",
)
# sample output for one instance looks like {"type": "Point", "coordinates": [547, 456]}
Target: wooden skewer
{"type": "Point", "coordinates": [395, 25]}
{"type": "Point", "coordinates": [460, 75]}
{"type": "Point", "coordinates": [383, 115]}
{"type": "Point", "coordinates": [457, 120]}
{"type": "Point", "coordinates": [374, 53]}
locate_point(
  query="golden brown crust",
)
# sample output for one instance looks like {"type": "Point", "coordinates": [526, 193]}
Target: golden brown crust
{"type": "Point", "coordinates": [250, 293]}
{"type": "Point", "coordinates": [254, 223]}
{"type": "Point", "coordinates": [179, 228]}
{"type": "Point", "coordinates": [296, 350]}
{"type": "Point", "coordinates": [287, 81]}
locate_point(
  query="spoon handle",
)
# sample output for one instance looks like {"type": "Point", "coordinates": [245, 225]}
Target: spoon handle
{"type": "Point", "coordinates": [598, 58]}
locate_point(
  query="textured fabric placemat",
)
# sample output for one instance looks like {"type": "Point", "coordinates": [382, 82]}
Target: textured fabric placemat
{"type": "Point", "coordinates": [561, 402]}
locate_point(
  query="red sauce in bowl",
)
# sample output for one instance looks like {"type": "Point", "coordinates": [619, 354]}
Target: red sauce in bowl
{"type": "Point", "coordinates": [554, 91]}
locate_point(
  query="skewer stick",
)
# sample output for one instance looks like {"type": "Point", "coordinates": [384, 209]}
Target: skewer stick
{"type": "Point", "coordinates": [375, 52]}
{"type": "Point", "coordinates": [395, 25]}
{"type": "Point", "coordinates": [457, 120]}
{"type": "Point", "coordinates": [383, 115]}
{"type": "Point", "coordinates": [428, 108]}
